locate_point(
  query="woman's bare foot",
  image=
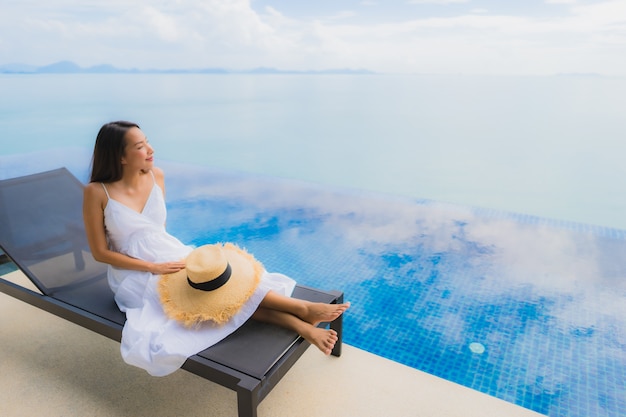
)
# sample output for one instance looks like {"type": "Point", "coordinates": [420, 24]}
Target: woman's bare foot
{"type": "Point", "coordinates": [316, 313]}
{"type": "Point", "coordinates": [323, 339]}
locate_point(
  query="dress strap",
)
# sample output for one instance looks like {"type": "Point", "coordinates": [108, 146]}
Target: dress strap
{"type": "Point", "coordinates": [153, 178]}
{"type": "Point", "coordinates": [105, 190]}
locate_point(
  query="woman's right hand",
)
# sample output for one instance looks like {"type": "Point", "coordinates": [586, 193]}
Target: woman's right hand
{"type": "Point", "coordinates": [167, 267]}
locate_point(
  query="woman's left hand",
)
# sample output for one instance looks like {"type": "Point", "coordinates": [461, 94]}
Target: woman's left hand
{"type": "Point", "coordinates": [167, 267]}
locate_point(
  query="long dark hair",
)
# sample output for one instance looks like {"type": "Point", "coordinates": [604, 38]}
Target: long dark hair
{"type": "Point", "coordinates": [106, 163]}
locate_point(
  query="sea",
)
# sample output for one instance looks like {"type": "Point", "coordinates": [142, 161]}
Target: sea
{"type": "Point", "coordinates": [548, 146]}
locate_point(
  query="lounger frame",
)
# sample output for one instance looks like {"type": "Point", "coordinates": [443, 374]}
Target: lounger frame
{"type": "Point", "coordinates": [88, 305]}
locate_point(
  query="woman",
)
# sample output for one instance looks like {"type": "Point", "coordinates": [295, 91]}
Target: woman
{"type": "Point", "coordinates": [124, 215]}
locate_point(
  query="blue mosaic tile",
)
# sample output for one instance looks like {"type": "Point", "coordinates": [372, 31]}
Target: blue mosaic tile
{"type": "Point", "coordinates": [526, 309]}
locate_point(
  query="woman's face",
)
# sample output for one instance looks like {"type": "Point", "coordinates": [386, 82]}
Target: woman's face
{"type": "Point", "coordinates": [138, 153]}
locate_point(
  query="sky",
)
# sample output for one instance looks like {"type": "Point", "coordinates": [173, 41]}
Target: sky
{"type": "Point", "coordinates": [489, 37]}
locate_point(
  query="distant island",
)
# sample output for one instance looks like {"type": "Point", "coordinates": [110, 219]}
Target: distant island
{"type": "Point", "coordinates": [69, 67]}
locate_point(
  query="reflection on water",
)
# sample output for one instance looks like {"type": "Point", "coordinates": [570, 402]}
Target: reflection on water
{"type": "Point", "coordinates": [513, 306]}
{"type": "Point", "coordinates": [518, 307]}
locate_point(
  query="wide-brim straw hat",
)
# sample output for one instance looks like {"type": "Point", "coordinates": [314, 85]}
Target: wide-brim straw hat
{"type": "Point", "coordinates": [216, 281]}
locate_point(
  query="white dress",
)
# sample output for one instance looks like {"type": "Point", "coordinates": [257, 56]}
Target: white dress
{"type": "Point", "coordinates": [151, 340]}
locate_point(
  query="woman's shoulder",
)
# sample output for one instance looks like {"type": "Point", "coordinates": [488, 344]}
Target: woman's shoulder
{"type": "Point", "coordinates": [93, 187]}
{"type": "Point", "coordinates": [94, 190]}
{"type": "Point", "coordinates": [94, 195]}
{"type": "Point", "coordinates": [158, 173]}
{"type": "Point", "coordinates": [159, 177]}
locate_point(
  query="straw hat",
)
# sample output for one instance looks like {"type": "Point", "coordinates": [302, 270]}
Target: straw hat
{"type": "Point", "coordinates": [217, 280]}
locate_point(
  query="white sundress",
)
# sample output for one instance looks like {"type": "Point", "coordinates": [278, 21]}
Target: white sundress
{"type": "Point", "coordinates": [151, 340]}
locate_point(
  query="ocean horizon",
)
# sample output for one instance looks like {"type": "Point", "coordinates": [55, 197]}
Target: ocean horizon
{"type": "Point", "coordinates": [542, 146]}
{"type": "Point", "coordinates": [70, 67]}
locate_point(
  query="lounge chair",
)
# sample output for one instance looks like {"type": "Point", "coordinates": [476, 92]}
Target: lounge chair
{"type": "Point", "coordinates": [41, 231]}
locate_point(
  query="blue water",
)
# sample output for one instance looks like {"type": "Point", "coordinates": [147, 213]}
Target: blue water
{"type": "Point", "coordinates": [548, 146]}
{"type": "Point", "coordinates": [522, 307]}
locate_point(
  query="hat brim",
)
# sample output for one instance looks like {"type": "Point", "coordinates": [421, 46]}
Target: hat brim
{"type": "Point", "coordinates": [190, 306]}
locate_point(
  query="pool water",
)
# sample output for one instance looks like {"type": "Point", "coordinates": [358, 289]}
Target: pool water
{"type": "Point", "coordinates": [526, 309]}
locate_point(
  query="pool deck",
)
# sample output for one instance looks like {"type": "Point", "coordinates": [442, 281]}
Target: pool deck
{"type": "Point", "coordinates": [49, 366]}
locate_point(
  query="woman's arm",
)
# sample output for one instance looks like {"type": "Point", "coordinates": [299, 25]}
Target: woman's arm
{"type": "Point", "coordinates": [94, 201]}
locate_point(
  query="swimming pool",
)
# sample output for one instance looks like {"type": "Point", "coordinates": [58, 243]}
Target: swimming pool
{"type": "Point", "coordinates": [522, 308]}
{"type": "Point", "coordinates": [529, 310]}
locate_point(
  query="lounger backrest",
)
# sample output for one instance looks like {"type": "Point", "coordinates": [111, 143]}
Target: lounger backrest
{"type": "Point", "coordinates": [41, 229]}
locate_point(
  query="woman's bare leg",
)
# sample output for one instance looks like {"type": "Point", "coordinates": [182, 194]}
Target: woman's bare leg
{"type": "Point", "coordinates": [323, 339]}
{"type": "Point", "coordinates": [313, 313]}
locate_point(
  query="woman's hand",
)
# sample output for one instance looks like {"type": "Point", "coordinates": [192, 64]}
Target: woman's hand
{"type": "Point", "coordinates": [167, 267]}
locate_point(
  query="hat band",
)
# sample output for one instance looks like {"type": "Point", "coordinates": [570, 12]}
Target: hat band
{"type": "Point", "coordinates": [214, 283]}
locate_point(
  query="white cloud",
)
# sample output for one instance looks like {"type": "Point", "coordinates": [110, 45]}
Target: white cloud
{"type": "Point", "coordinates": [609, 12]}
{"type": "Point", "coordinates": [436, 1]}
{"type": "Point", "coordinates": [343, 14]}
{"type": "Point", "coordinates": [209, 33]}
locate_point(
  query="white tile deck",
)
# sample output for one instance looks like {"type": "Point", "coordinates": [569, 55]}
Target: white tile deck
{"type": "Point", "coordinates": [51, 367]}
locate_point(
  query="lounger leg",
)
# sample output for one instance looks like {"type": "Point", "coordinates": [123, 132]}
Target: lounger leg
{"type": "Point", "coordinates": [77, 230]}
{"type": "Point", "coordinates": [79, 261]}
{"type": "Point", "coordinates": [246, 401]}
{"type": "Point", "coordinates": [337, 325]}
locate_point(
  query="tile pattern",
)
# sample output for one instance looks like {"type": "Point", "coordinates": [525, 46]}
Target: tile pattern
{"type": "Point", "coordinates": [541, 302]}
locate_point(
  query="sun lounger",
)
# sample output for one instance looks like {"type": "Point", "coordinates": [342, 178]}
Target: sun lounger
{"type": "Point", "coordinates": [41, 231]}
